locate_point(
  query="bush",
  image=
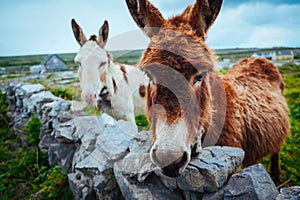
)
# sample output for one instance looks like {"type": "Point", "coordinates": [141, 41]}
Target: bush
{"type": "Point", "coordinates": [3, 110]}
{"type": "Point", "coordinates": [63, 93]}
{"type": "Point", "coordinates": [141, 120]}
{"type": "Point", "coordinates": [33, 129]}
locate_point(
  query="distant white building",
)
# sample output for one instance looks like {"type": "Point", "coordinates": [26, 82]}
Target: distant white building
{"type": "Point", "coordinates": [283, 55]}
{"type": "Point", "coordinates": [265, 54]}
{"type": "Point", "coordinates": [275, 55]}
{"type": "Point", "coordinates": [37, 69]}
{"type": "Point", "coordinates": [2, 70]}
{"type": "Point", "coordinates": [224, 64]}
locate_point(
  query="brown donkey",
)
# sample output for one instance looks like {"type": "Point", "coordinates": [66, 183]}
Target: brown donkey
{"type": "Point", "coordinates": [187, 97]}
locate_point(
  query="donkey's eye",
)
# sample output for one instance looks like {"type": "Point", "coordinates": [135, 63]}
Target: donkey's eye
{"type": "Point", "coordinates": [199, 77]}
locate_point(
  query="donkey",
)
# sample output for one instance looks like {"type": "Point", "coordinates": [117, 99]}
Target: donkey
{"type": "Point", "coordinates": [117, 89]}
{"type": "Point", "coordinates": [190, 105]}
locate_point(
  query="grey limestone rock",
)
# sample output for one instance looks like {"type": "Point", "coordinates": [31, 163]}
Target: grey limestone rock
{"type": "Point", "coordinates": [209, 170]}
{"type": "Point", "coordinates": [290, 193]}
{"type": "Point", "coordinates": [61, 154]}
{"type": "Point", "coordinates": [106, 120]}
{"type": "Point", "coordinates": [252, 182]}
{"type": "Point", "coordinates": [80, 186]}
{"type": "Point", "coordinates": [97, 160]}
{"type": "Point", "coordinates": [29, 89]}
{"type": "Point", "coordinates": [151, 188]}
{"type": "Point", "coordinates": [116, 139]}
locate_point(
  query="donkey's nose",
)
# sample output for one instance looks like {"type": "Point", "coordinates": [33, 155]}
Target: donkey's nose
{"type": "Point", "coordinates": [89, 97]}
{"type": "Point", "coordinates": [172, 162]}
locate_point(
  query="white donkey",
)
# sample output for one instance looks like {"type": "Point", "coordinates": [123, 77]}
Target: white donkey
{"type": "Point", "coordinates": [116, 89]}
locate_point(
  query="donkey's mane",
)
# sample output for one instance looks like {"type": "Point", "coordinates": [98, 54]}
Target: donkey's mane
{"type": "Point", "coordinates": [93, 38]}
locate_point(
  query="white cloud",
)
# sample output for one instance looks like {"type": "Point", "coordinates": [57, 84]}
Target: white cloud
{"type": "Point", "coordinates": [257, 25]}
{"type": "Point", "coordinates": [130, 40]}
{"type": "Point", "coordinates": [265, 36]}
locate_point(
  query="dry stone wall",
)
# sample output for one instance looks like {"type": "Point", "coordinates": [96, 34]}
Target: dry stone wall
{"type": "Point", "coordinates": [109, 159]}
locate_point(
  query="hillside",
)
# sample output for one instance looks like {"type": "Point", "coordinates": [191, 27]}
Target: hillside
{"type": "Point", "coordinates": [132, 56]}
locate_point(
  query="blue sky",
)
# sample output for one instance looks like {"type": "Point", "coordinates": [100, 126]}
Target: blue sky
{"type": "Point", "coordinates": [39, 27]}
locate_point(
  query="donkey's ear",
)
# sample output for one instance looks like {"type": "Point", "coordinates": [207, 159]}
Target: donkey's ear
{"type": "Point", "coordinates": [78, 33]}
{"type": "Point", "coordinates": [103, 34]}
{"type": "Point", "coordinates": [203, 14]}
{"type": "Point", "coordinates": [146, 16]}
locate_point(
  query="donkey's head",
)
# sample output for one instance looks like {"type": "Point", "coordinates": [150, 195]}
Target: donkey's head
{"type": "Point", "coordinates": [181, 68]}
{"type": "Point", "coordinates": [93, 61]}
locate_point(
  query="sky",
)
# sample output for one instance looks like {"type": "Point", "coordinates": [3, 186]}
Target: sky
{"type": "Point", "coordinates": [44, 26]}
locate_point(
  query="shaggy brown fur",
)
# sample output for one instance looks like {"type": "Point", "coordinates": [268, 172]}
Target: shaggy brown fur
{"type": "Point", "coordinates": [181, 69]}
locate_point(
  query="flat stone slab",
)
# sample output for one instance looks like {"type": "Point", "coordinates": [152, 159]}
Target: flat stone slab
{"type": "Point", "coordinates": [106, 120]}
{"type": "Point", "coordinates": [151, 188]}
{"type": "Point", "coordinates": [116, 139]}
{"type": "Point", "coordinates": [214, 165]}
{"type": "Point", "coordinates": [97, 160]}
{"type": "Point", "coordinates": [252, 182]}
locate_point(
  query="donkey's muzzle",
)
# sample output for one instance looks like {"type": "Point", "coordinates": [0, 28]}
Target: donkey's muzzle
{"type": "Point", "coordinates": [103, 104]}
{"type": "Point", "coordinates": [89, 97]}
{"type": "Point", "coordinates": [171, 162]}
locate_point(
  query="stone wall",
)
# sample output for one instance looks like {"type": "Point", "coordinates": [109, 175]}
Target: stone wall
{"type": "Point", "coordinates": [109, 159]}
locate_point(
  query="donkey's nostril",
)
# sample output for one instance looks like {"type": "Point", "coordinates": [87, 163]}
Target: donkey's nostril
{"type": "Point", "coordinates": [154, 148]}
{"type": "Point", "coordinates": [176, 168]}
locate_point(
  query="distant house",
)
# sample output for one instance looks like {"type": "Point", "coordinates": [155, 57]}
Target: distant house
{"type": "Point", "coordinates": [224, 64]}
{"type": "Point", "coordinates": [37, 69]}
{"type": "Point", "coordinates": [283, 55]}
{"type": "Point", "coordinates": [275, 55]}
{"type": "Point", "coordinates": [54, 63]}
{"type": "Point", "coordinates": [266, 54]}
{"type": "Point", "coordinates": [51, 63]}
{"type": "Point", "coordinates": [2, 70]}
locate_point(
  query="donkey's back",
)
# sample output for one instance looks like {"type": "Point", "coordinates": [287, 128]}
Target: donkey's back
{"type": "Point", "coordinates": [259, 70]}
{"type": "Point", "coordinates": [262, 109]}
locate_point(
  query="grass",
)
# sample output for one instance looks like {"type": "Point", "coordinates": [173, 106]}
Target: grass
{"type": "Point", "coordinates": [24, 170]}
{"type": "Point", "coordinates": [290, 160]}
{"type": "Point", "coordinates": [92, 110]}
